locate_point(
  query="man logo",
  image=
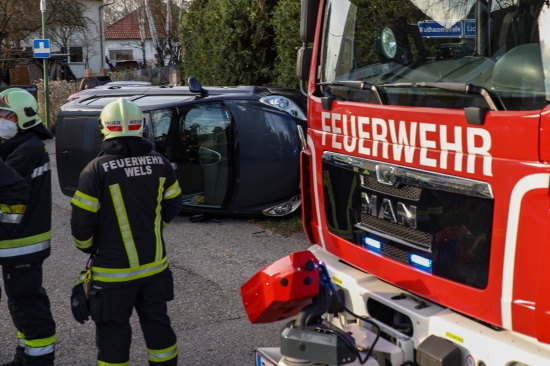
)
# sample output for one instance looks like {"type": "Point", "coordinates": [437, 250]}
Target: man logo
{"type": "Point", "coordinates": [387, 210]}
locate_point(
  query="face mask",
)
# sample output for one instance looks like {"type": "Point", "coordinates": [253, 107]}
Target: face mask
{"type": "Point", "coordinates": [8, 129]}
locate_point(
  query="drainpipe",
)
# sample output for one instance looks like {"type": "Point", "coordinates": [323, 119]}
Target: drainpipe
{"type": "Point", "coordinates": [101, 34]}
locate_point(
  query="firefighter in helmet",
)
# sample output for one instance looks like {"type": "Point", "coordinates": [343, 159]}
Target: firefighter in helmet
{"type": "Point", "coordinates": [125, 197]}
{"type": "Point", "coordinates": [23, 252]}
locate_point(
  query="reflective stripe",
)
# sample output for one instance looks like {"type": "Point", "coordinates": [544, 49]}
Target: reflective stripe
{"type": "Point", "coordinates": [162, 355]}
{"type": "Point", "coordinates": [40, 347]}
{"type": "Point", "coordinates": [34, 248]}
{"type": "Point", "coordinates": [13, 209]}
{"type": "Point", "coordinates": [85, 202]}
{"type": "Point", "coordinates": [43, 342]}
{"type": "Point", "coordinates": [22, 246]}
{"type": "Point", "coordinates": [128, 274]}
{"type": "Point", "coordinates": [83, 244]}
{"type": "Point", "coordinates": [173, 191]}
{"type": "Point", "coordinates": [8, 218]}
{"type": "Point", "coordinates": [40, 170]}
{"type": "Point", "coordinates": [101, 363]}
{"type": "Point", "coordinates": [21, 339]}
{"type": "Point", "coordinates": [158, 221]}
{"type": "Point", "coordinates": [41, 351]}
{"type": "Point", "coordinates": [124, 225]}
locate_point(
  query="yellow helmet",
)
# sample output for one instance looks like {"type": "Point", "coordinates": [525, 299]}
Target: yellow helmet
{"type": "Point", "coordinates": [23, 104]}
{"type": "Point", "coordinates": [121, 118]}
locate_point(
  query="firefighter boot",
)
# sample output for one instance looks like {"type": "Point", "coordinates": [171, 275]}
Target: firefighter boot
{"type": "Point", "coordinates": [18, 358]}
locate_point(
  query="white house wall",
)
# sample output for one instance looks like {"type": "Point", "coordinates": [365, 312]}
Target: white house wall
{"type": "Point", "coordinates": [127, 44]}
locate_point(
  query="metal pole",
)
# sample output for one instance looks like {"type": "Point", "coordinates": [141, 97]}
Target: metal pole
{"type": "Point", "coordinates": [45, 66]}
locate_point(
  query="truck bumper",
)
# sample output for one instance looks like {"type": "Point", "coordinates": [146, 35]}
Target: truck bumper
{"type": "Point", "coordinates": [479, 344]}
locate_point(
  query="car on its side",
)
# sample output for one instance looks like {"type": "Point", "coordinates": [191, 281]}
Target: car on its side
{"type": "Point", "coordinates": [235, 150]}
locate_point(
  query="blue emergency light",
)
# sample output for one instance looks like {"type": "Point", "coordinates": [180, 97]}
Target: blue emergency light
{"type": "Point", "coordinates": [420, 262]}
{"type": "Point", "coordinates": [372, 244]}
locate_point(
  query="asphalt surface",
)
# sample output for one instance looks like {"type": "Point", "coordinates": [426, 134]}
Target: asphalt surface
{"type": "Point", "coordinates": [210, 261]}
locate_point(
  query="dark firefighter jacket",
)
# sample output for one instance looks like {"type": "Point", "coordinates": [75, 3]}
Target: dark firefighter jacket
{"type": "Point", "coordinates": [14, 195]}
{"type": "Point", "coordinates": [124, 198]}
{"type": "Point", "coordinates": [28, 156]}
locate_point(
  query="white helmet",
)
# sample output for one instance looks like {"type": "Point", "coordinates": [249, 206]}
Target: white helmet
{"type": "Point", "coordinates": [23, 104]}
{"type": "Point", "coordinates": [121, 118]}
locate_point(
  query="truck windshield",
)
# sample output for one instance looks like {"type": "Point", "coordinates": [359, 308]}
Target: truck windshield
{"type": "Point", "coordinates": [438, 53]}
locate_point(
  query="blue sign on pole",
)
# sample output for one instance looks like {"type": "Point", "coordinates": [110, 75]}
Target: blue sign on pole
{"type": "Point", "coordinates": [41, 48]}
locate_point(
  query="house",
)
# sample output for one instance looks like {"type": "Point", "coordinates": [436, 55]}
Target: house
{"type": "Point", "coordinates": [83, 49]}
{"type": "Point", "coordinates": [124, 46]}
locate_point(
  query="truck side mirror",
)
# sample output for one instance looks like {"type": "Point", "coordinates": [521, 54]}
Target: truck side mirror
{"type": "Point", "coordinates": [308, 20]}
{"type": "Point", "coordinates": [303, 66]}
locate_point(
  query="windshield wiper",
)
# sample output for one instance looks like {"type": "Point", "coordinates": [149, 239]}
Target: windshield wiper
{"type": "Point", "coordinates": [466, 88]}
{"type": "Point", "coordinates": [361, 85]}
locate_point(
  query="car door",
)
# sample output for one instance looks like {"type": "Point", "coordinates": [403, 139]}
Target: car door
{"type": "Point", "coordinates": [197, 141]}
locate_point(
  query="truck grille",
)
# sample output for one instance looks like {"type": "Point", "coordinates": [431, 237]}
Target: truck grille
{"type": "Point", "coordinates": [407, 212]}
{"type": "Point", "coordinates": [406, 234]}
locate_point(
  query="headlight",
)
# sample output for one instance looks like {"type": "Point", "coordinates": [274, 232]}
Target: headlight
{"type": "Point", "coordinates": [389, 42]}
{"type": "Point", "coordinates": [284, 104]}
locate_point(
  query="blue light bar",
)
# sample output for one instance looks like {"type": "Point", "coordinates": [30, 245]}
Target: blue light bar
{"type": "Point", "coordinates": [372, 243]}
{"type": "Point", "coordinates": [422, 262]}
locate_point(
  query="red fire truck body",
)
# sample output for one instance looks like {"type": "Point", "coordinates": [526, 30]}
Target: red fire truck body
{"type": "Point", "coordinates": [425, 183]}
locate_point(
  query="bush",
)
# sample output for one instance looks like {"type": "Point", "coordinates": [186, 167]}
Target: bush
{"type": "Point", "coordinates": [59, 91]}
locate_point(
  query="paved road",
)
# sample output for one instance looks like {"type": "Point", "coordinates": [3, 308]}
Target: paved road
{"type": "Point", "coordinates": [210, 261]}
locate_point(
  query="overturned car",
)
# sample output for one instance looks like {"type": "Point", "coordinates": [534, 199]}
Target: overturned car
{"type": "Point", "coordinates": [235, 150]}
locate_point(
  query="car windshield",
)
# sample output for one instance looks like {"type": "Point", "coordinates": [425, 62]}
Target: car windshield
{"type": "Point", "coordinates": [438, 53]}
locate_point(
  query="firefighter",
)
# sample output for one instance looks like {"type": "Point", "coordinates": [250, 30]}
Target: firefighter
{"type": "Point", "coordinates": [25, 250]}
{"type": "Point", "coordinates": [125, 197]}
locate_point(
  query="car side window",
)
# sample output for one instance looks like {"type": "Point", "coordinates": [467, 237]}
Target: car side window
{"type": "Point", "coordinates": [162, 120]}
{"type": "Point", "coordinates": [206, 134]}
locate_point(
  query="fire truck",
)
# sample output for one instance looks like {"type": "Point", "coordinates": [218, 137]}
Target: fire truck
{"type": "Point", "coordinates": [425, 189]}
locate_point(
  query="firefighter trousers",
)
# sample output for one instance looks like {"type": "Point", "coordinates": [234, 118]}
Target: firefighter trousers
{"type": "Point", "coordinates": [111, 307]}
{"type": "Point", "coordinates": [30, 311]}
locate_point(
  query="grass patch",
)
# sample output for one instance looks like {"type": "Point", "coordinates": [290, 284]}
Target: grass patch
{"type": "Point", "coordinates": [285, 226]}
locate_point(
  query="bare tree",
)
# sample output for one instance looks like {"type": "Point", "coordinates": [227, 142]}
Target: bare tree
{"type": "Point", "coordinates": [141, 21]}
{"type": "Point", "coordinates": [120, 9]}
{"type": "Point", "coordinates": [153, 31]}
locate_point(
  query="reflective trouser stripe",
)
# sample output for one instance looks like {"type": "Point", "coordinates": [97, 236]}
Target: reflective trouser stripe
{"type": "Point", "coordinates": [37, 347]}
{"type": "Point", "coordinates": [10, 218]}
{"type": "Point", "coordinates": [21, 340]}
{"type": "Point", "coordinates": [101, 363]}
{"type": "Point", "coordinates": [162, 355]}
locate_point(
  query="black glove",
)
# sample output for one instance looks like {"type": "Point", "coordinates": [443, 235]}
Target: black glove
{"type": "Point", "coordinates": [79, 304]}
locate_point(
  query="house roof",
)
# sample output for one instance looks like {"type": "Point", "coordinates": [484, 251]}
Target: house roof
{"type": "Point", "coordinates": [128, 27]}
